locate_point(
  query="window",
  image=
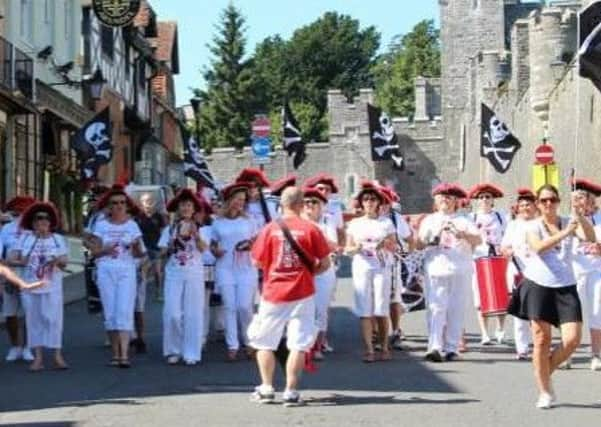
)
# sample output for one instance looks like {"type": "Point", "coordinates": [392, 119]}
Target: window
{"type": "Point", "coordinates": [26, 23]}
{"type": "Point", "coordinates": [107, 41]}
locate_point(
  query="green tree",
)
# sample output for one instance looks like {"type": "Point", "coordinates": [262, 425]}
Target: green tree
{"type": "Point", "coordinates": [225, 114]}
{"type": "Point", "coordinates": [414, 54]}
{"type": "Point", "coordinates": [310, 120]}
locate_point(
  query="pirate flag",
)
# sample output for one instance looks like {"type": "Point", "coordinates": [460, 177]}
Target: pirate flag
{"type": "Point", "coordinates": [293, 141]}
{"type": "Point", "coordinates": [498, 145]}
{"type": "Point", "coordinates": [384, 141]}
{"type": "Point", "coordinates": [92, 144]}
{"type": "Point", "coordinates": [590, 43]}
{"type": "Point", "coordinates": [195, 165]}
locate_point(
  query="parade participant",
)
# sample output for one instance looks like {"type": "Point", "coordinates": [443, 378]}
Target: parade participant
{"type": "Point", "coordinates": [290, 251]}
{"type": "Point", "coordinates": [404, 242]}
{"type": "Point", "coordinates": [118, 244]}
{"type": "Point", "coordinates": [449, 239]}
{"type": "Point", "coordinates": [256, 208]}
{"type": "Point", "coordinates": [325, 282]}
{"type": "Point", "coordinates": [327, 186]}
{"type": "Point", "coordinates": [183, 312]}
{"type": "Point", "coordinates": [587, 264]}
{"type": "Point", "coordinates": [276, 189]}
{"type": "Point", "coordinates": [369, 239]}
{"type": "Point", "coordinates": [42, 254]}
{"type": "Point", "coordinates": [14, 280]}
{"type": "Point", "coordinates": [515, 247]}
{"type": "Point", "coordinates": [11, 297]}
{"type": "Point", "coordinates": [237, 278]}
{"type": "Point", "coordinates": [548, 295]}
{"type": "Point", "coordinates": [492, 226]}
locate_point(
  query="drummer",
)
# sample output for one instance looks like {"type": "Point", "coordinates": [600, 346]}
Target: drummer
{"type": "Point", "coordinates": [257, 208]}
{"type": "Point", "coordinates": [515, 247]}
{"type": "Point", "coordinates": [587, 264]}
{"type": "Point", "coordinates": [491, 224]}
{"type": "Point", "coordinates": [449, 238]}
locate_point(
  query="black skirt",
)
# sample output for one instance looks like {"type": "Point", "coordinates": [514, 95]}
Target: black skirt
{"type": "Point", "coordinates": [531, 301]}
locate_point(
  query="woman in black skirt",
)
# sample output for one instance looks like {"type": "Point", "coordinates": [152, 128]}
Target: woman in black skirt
{"type": "Point", "coordinates": [548, 296]}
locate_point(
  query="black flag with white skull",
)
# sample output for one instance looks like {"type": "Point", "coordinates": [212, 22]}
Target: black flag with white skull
{"type": "Point", "coordinates": [293, 141]}
{"type": "Point", "coordinates": [195, 165]}
{"type": "Point", "coordinates": [93, 144]}
{"type": "Point", "coordinates": [384, 141]}
{"type": "Point", "coordinates": [498, 144]}
{"type": "Point", "coordinates": [590, 43]}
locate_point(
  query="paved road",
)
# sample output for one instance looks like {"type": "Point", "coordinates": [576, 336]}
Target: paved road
{"type": "Point", "coordinates": [484, 389]}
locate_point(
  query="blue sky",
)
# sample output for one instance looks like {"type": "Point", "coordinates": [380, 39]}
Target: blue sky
{"type": "Point", "coordinates": [196, 20]}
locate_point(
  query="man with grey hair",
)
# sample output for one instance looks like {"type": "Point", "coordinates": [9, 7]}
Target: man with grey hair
{"type": "Point", "coordinates": [291, 251]}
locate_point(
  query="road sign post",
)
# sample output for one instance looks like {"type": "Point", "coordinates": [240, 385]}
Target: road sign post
{"type": "Point", "coordinates": [260, 141]}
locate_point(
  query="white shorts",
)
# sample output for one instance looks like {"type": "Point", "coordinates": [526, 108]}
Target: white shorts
{"type": "Point", "coordinates": [12, 304]}
{"type": "Point", "coordinates": [297, 318]}
{"type": "Point", "coordinates": [372, 291]}
{"type": "Point", "coordinates": [589, 286]}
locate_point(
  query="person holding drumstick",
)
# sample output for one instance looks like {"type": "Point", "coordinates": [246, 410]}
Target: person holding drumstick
{"type": "Point", "coordinates": [548, 295]}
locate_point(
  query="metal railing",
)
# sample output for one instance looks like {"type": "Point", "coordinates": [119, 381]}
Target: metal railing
{"type": "Point", "coordinates": [16, 69]}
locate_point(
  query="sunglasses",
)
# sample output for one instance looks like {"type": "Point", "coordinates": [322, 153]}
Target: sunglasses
{"type": "Point", "coordinates": [118, 202]}
{"type": "Point", "coordinates": [370, 199]}
{"type": "Point", "coordinates": [548, 200]}
{"type": "Point", "coordinates": [484, 197]}
{"type": "Point", "coordinates": [40, 217]}
{"type": "Point", "coordinates": [311, 202]}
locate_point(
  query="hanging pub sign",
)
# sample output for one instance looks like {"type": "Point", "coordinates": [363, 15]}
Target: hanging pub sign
{"type": "Point", "coordinates": [116, 13]}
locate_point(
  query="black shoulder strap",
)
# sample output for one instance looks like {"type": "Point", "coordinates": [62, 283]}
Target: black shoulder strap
{"type": "Point", "coordinates": [295, 246]}
{"type": "Point", "coordinates": [264, 208]}
{"type": "Point", "coordinates": [499, 217]}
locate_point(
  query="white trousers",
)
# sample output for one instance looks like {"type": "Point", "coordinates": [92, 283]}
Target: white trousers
{"type": "Point", "coordinates": [521, 335]}
{"type": "Point", "coordinates": [238, 305]}
{"type": "Point", "coordinates": [589, 288]}
{"type": "Point", "coordinates": [372, 291]}
{"type": "Point", "coordinates": [117, 286]}
{"type": "Point", "coordinates": [325, 285]}
{"type": "Point", "coordinates": [447, 299]}
{"type": "Point", "coordinates": [44, 317]}
{"type": "Point", "coordinates": [183, 313]}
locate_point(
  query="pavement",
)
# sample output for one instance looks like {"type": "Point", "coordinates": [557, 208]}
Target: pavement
{"type": "Point", "coordinates": [488, 387]}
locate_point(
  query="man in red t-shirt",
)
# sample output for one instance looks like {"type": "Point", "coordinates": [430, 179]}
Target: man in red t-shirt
{"type": "Point", "coordinates": [287, 301]}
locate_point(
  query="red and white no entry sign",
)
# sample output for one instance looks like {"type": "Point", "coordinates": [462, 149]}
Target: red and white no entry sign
{"type": "Point", "coordinates": [544, 154]}
{"type": "Point", "coordinates": [261, 127]}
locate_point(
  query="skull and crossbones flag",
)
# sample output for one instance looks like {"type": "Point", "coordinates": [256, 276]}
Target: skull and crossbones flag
{"type": "Point", "coordinates": [384, 140]}
{"type": "Point", "coordinates": [590, 43]}
{"type": "Point", "coordinates": [195, 165]}
{"type": "Point", "coordinates": [293, 141]}
{"type": "Point", "coordinates": [93, 144]}
{"type": "Point", "coordinates": [498, 144]}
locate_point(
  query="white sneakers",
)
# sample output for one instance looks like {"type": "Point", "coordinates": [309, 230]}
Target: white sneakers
{"type": "Point", "coordinates": [545, 401]}
{"type": "Point", "coordinates": [14, 354]}
{"type": "Point", "coordinates": [596, 363]}
{"type": "Point", "coordinates": [500, 336]}
{"type": "Point", "coordinates": [28, 355]}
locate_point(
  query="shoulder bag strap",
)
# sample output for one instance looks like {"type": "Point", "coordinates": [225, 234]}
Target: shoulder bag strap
{"type": "Point", "coordinates": [295, 246]}
{"type": "Point", "coordinates": [264, 209]}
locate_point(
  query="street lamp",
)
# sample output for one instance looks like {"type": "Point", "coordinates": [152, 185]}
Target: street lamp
{"type": "Point", "coordinates": [96, 84]}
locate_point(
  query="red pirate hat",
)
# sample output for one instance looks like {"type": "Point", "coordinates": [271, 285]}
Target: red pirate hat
{"type": "Point", "coordinates": [185, 194]}
{"type": "Point", "coordinates": [491, 189]}
{"type": "Point", "coordinates": [370, 187]}
{"type": "Point", "coordinates": [228, 191]}
{"type": "Point", "coordinates": [450, 189]}
{"type": "Point", "coordinates": [206, 205]}
{"type": "Point", "coordinates": [587, 185]}
{"type": "Point", "coordinates": [322, 178]}
{"type": "Point", "coordinates": [390, 195]}
{"type": "Point", "coordinates": [278, 186]}
{"type": "Point", "coordinates": [37, 207]}
{"type": "Point", "coordinates": [312, 192]}
{"type": "Point", "coordinates": [118, 190]}
{"type": "Point", "coordinates": [525, 194]}
{"type": "Point", "coordinates": [19, 204]}
{"type": "Point", "coordinates": [249, 175]}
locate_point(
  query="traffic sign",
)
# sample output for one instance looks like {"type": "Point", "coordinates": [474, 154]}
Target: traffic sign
{"type": "Point", "coordinates": [544, 154]}
{"type": "Point", "coordinates": [261, 147]}
{"type": "Point", "coordinates": [261, 127]}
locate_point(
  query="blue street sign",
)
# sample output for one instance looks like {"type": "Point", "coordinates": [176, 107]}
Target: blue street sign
{"type": "Point", "coordinates": [261, 146]}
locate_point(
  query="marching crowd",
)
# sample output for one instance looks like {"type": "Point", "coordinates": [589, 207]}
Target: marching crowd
{"type": "Point", "coordinates": [213, 257]}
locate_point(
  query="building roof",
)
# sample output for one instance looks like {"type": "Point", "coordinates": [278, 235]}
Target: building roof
{"type": "Point", "coordinates": [167, 45]}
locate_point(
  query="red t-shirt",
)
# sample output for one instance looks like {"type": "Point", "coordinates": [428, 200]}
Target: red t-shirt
{"type": "Point", "coordinates": [285, 276]}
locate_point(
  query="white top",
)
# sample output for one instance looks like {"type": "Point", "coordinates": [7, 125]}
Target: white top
{"type": "Point", "coordinates": [95, 219]}
{"type": "Point", "coordinates": [552, 268]}
{"type": "Point", "coordinates": [255, 212]}
{"type": "Point", "coordinates": [451, 254]}
{"type": "Point", "coordinates": [515, 238]}
{"type": "Point", "coordinates": [369, 233]}
{"type": "Point", "coordinates": [11, 233]}
{"type": "Point", "coordinates": [206, 232]}
{"type": "Point", "coordinates": [187, 255]}
{"type": "Point", "coordinates": [228, 233]}
{"type": "Point", "coordinates": [39, 252]}
{"type": "Point", "coordinates": [122, 236]}
{"type": "Point", "coordinates": [492, 226]}
{"type": "Point", "coordinates": [585, 262]}
{"type": "Point", "coordinates": [334, 209]}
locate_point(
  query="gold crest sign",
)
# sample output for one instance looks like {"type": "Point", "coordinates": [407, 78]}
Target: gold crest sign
{"type": "Point", "coordinates": [116, 13]}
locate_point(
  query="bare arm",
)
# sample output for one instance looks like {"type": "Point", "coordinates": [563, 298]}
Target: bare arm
{"type": "Point", "coordinates": [539, 245]}
{"type": "Point", "coordinates": [16, 280]}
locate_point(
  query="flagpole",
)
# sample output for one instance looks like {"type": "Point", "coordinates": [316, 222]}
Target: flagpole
{"type": "Point", "coordinates": [577, 135]}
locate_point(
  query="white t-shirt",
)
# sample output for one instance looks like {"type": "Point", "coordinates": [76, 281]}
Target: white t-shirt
{"type": "Point", "coordinates": [206, 232]}
{"type": "Point", "coordinates": [334, 209]}
{"type": "Point", "coordinates": [40, 252]}
{"type": "Point", "coordinates": [11, 233]}
{"type": "Point", "coordinates": [327, 225]}
{"type": "Point", "coordinates": [451, 254]}
{"type": "Point", "coordinates": [122, 236]}
{"type": "Point", "coordinates": [228, 233]}
{"type": "Point", "coordinates": [584, 261]}
{"type": "Point", "coordinates": [369, 233]}
{"type": "Point", "coordinates": [515, 238]}
{"type": "Point", "coordinates": [187, 255]}
{"type": "Point", "coordinates": [255, 213]}
{"type": "Point", "coordinates": [492, 226]}
{"type": "Point", "coordinates": [95, 219]}
{"type": "Point", "coordinates": [552, 268]}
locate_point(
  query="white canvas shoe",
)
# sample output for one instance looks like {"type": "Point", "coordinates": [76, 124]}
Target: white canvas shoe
{"type": "Point", "coordinates": [545, 401]}
{"type": "Point", "coordinates": [595, 363]}
{"type": "Point", "coordinates": [27, 355]}
{"type": "Point", "coordinates": [15, 353]}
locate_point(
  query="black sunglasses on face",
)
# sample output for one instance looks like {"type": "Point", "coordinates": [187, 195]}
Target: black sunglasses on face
{"type": "Point", "coordinates": [370, 199]}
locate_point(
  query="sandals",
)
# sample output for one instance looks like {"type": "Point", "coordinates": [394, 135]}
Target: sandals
{"type": "Point", "coordinates": [385, 356]}
{"type": "Point", "coordinates": [38, 368]}
{"type": "Point", "coordinates": [114, 362]}
{"type": "Point", "coordinates": [232, 355]}
{"type": "Point", "coordinates": [369, 357]}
